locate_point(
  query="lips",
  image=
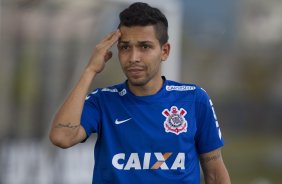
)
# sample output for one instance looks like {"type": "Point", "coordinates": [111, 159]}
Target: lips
{"type": "Point", "coordinates": [135, 71]}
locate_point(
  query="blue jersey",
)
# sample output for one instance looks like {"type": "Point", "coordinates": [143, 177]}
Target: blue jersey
{"type": "Point", "coordinates": [150, 139]}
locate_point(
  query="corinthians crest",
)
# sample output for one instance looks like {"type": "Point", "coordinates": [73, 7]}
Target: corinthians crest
{"type": "Point", "coordinates": [175, 121]}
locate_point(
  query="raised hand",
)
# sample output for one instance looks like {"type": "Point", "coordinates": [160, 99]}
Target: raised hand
{"type": "Point", "coordinates": [101, 53]}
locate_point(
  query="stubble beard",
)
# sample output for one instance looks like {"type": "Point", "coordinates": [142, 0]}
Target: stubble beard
{"type": "Point", "coordinates": [138, 82]}
{"type": "Point", "coordinates": [142, 80]}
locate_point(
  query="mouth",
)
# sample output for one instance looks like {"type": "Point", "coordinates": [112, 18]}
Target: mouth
{"type": "Point", "coordinates": [135, 71]}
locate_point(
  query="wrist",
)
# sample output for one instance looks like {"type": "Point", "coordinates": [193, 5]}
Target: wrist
{"type": "Point", "coordinates": [90, 71]}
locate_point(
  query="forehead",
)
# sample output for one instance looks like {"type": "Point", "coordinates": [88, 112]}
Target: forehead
{"type": "Point", "coordinates": [138, 34]}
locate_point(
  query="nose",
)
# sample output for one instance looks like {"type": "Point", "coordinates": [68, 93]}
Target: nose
{"type": "Point", "coordinates": [134, 55]}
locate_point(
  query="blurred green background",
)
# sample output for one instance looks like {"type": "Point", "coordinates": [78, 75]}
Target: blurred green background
{"type": "Point", "coordinates": [233, 49]}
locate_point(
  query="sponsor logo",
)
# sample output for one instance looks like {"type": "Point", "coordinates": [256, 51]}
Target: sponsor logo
{"type": "Point", "coordinates": [175, 121]}
{"type": "Point", "coordinates": [117, 122]}
{"type": "Point", "coordinates": [121, 162]}
{"type": "Point", "coordinates": [109, 90]}
{"type": "Point", "coordinates": [180, 88]}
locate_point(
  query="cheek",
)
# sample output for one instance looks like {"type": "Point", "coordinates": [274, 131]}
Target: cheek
{"type": "Point", "coordinates": [154, 64]}
{"type": "Point", "coordinates": [155, 59]}
{"type": "Point", "coordinates": [119, 55]}
{"type": "Point", "coordinates": [121, 59]}
{"type": "Point", "coordinates": [123, 62]}
{"type": "Point", "coordinates": [123, 56]}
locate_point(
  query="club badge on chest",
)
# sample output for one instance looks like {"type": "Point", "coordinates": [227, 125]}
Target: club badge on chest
{"type": "Point", "coordinates": [175, 121]}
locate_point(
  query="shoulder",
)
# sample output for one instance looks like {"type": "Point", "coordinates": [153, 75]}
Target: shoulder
{"type": "Point", "coordinates": [198, 92]}
{"type": "Point", "coordinates": [114, 90]}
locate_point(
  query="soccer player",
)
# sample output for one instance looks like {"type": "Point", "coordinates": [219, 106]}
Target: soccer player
{"type": "Point", "coordinates": [150, 129]}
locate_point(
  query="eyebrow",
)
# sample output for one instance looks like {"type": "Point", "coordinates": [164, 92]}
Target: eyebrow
{"type": "Point", "coordinates": [139, 42]}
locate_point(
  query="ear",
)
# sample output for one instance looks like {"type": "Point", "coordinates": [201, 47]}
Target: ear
{"type": "Point", "coordinates": [165, 51]}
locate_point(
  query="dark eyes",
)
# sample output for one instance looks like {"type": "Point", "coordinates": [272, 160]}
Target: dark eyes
{"type": "Point", "coordinates": [141, 46]}
{"type": "Point", "coordinates": [145, 46]}
{"type": "Point", "coordinates": [123, 47]}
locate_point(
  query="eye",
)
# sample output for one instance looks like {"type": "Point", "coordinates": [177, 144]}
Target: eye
{"type": "Point", "coordinates": [145, 46]}
{"type": "Point", "coordinates": [123, 47]}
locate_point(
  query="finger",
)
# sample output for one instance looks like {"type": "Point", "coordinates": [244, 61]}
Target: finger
{"type": "Point", "coordinates": [112, 39]}
{"type": "Point", "coordinates": [110, 35]}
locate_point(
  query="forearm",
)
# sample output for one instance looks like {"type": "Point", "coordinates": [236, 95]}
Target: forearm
{"type": "Point", "coordinates": [221, 177]}
{"type": "Point", "coordinates": [214, 168]}
{"type": "Point", "coordinates": [66, 123]}
{"type": "Point", "coordinates": [66, 129]}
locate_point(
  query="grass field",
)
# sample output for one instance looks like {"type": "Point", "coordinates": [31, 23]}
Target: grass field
{"type": "Point", "coordinates": [254, 159]}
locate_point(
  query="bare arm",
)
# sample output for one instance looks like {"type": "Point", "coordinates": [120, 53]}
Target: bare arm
{"type": "Point", "coordinates": [214, 169]}
{"type": "Point", "coordinates": [66, 129]}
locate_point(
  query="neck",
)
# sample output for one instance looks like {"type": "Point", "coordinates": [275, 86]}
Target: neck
{"type": "Point", "coordinates": [150, 88]}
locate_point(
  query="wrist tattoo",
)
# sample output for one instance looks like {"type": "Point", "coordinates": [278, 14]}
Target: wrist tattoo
{"type": "Point", "coordinates": [68, 125]}
{"type": "Point", "coordinates": [211, 158]}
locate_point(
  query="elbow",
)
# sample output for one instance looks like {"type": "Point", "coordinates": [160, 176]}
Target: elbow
{"type": "Point", "coordinates": [59, 141]}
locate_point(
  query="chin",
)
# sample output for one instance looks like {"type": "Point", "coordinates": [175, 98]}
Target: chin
{"type": "Point", "coordinates": [137, 82]}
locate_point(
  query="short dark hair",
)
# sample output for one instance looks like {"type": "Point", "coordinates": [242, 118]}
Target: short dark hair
{"type": "Point", "coordinates": [141, 14]}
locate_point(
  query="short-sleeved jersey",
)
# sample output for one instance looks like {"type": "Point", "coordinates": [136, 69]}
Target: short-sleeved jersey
{"type": "Point", "coordinates": [150, 139]}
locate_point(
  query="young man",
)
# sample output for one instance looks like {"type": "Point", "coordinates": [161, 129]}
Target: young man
{"type": "Point", "coordinates": [150, 129]}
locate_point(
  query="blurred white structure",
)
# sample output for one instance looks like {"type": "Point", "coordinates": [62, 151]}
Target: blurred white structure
{"type": "Point", "coordinates": [262, 24]}
{"type": "Point", "coordinates": [33, 162]}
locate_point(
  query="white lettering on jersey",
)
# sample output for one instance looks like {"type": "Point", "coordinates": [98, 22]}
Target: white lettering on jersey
{"type": "Point", "coordinates": [161, 161]}
{"type": "Point", "coordinates": [133, 162]}
{"type": "Point", "coordinates": [179, 162]}
{"type": "Point", "coordinates": [146, 163]}
{"type": "Point", "coordinates": [109, 90]}
{"type": "Point", "coordinates": [215, 118]}
{"type": "Point", "coordinates": [115, 160]}
{"type": "Point", "coordinates": [180, 88]}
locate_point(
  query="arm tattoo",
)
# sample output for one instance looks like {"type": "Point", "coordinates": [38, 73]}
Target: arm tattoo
{"type": "Point", "coordinates": [211, 158]}
{"type": "Point", "coordinates": [68, 125]}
